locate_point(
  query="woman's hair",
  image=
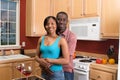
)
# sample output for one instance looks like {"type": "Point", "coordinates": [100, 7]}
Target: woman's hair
{"type": "Point", "coordinates": [47, 19]}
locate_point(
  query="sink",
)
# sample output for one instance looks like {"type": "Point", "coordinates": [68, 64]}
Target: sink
{"type": "Point", "coordinates": [10, 57]}
{"type": "Point", "coordinates": [2, 58]}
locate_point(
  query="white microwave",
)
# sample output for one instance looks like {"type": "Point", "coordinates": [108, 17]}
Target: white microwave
{"type": "Point", "coordinates": [86, 28]}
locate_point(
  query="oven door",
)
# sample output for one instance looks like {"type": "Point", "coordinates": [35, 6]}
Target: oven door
{"type": "Point", "coordinates": [81, 75]}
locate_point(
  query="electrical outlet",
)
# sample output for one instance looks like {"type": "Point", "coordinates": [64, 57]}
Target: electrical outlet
{"type": "Point", "coordinates": [111, 46]}
{"type": "Point", "coordinates": [23, 44]}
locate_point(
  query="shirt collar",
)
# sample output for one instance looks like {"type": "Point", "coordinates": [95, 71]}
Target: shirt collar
{"type": "Point", "coordinates": [64, 33]}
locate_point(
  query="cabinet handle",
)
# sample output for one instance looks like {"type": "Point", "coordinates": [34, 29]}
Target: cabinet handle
{"type": "Point", "coordinates": [98, 76]}
{"type": "Point", "coordinates": [102, 33]}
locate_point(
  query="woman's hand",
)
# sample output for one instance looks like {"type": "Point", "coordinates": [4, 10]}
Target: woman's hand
{"type": "Point", "coordinates": [48, 60]}
{"type": "Point", "coordinates": [37, 58]}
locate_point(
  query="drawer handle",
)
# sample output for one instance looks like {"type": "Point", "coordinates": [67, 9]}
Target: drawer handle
{"type": "Point", "coordinates": [98, 76]}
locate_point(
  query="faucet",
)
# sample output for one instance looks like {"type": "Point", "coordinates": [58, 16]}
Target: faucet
{"type": "Point", "coordinates": [3, 52]}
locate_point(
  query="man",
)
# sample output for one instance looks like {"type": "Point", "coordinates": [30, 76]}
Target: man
{"type": "Point", "coordinates": [63, 30]}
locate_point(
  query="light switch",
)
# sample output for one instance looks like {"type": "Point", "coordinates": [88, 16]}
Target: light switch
{"type": "Point", "coordinates": [23, 44]}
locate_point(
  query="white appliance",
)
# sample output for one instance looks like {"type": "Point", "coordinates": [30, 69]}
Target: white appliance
{"type": "Point", "coordinates": [82, 68]}
{"type": "Point", "coordinates": [86, 28]}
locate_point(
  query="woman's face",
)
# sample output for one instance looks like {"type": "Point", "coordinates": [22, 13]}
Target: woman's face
{"type": "Point", "coordinates": [51, 26]}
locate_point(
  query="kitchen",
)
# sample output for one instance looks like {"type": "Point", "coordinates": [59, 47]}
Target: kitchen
{"type": "Point", "coordinates": [99, 47]}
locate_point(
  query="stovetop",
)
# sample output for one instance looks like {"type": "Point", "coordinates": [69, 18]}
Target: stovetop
{"type": "Point", "coordinates": [83, 62]}
{"type": "Point", "coordinates": [85, 58]}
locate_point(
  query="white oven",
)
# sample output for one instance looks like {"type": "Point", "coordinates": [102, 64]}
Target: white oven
{"type": "Point", "coordinates": [81, 75]}
{"type": "Point", "coordinates": [81, 68]}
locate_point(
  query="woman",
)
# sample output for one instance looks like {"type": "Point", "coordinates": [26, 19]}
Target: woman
{"type": "Point", "coordinates": [50, 48]}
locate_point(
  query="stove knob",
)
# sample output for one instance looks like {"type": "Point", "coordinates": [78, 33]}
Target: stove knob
{"type": "Point", "coordinates": [84, 67]}
{"type": "Point", "coordinates": [80, 66]}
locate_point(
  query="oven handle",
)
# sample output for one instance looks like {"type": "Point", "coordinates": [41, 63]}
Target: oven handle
{"type": "Point", "coordinates": [80, 72]}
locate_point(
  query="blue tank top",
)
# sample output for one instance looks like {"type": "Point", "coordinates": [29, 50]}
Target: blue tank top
{"type": "Point", "coordinates": [51, 51]}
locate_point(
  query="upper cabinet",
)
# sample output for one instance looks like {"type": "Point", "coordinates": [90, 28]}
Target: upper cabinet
{"type": "Point", "coordinates": [84, 8]}
{"type": "Point", "coordinates": [60, 5]}
{"type": "Point", "coordinates": [110, 17]}
{"type": "Point", "coordinates": [107, 10]}
{"type": "Point", "coordinates": [36, 11]}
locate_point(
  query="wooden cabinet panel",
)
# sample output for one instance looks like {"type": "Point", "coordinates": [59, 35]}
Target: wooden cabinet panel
{"type": "Point", "coordinates": [100, 75]}
{"type": "Point", "coordinates": [92, 7]}
{"type": "Point", "coordinates": [17, 73]}
{"type": "Point", "coordinates": [37, 70]}
{"type": "Point", "coordinates": [6, 71]}
{"type": "Point", "coordinates": [76, 8]}
{"type": "Point", "coordinates": [60, 5]}
{"type": "Point", "coordinates": [36, 12]}
{"type": "Point", "coordinates": [110, 18]}
{"type": "Point", "coordinates": [103, 71]}
{"type": "Point", "coordinates": [85, 8]}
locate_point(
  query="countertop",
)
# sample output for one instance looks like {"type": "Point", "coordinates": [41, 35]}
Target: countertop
{"type": "Point", "coordinates": [106, 67]}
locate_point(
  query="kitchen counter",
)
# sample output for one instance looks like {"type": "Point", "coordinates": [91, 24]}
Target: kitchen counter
{"type": "Point", "coordinates": [14, 58]}
{"type": "Point", "coordinates": [106, 67]}
{"type": "Point", "coordinates": [32, 55]}
{"type": "Point", "coordinates": [31, 78]}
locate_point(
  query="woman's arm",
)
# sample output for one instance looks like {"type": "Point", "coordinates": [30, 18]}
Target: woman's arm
{"type": "Point", "coordinates": [38, 48]}
{"type": "Point", "coordinates": [65, 54]}
{"type": "Point", "coordinates": [37, 56]}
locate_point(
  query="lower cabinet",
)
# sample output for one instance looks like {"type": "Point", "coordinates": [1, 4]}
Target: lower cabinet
{"type": "Point", "coordinates": [100, 75]}
{"type": "Point", "coordinates": [37, 70]}
{"type": "Point", "coordinates": [17, 73]}
{"type": "Point", "coordinates": [6, 71]}
{"type": "Point", "coordinates": [98, 72]}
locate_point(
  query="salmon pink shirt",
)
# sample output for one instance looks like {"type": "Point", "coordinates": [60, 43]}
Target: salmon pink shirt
{"type": "Point", "coordinates": [71, 41]}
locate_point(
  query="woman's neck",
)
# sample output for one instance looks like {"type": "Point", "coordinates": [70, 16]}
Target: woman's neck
{"type": "Point", "coordinates": [52, 35]}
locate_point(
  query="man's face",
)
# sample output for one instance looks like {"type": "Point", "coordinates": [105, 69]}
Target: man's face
{"type": "Point", "coordinates": [62, 22]}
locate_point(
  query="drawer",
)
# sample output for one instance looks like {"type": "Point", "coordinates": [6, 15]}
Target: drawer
{"type": "Point", "coordinates": [100, 75]}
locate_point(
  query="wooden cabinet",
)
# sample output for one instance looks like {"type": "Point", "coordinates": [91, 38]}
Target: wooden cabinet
{"type": "Point", "coordinates": [110, 17]}
{"type": "Point", "coordinates": [103, 72]}
{"type": "Point", "coordinates": [37, 70]}
{"type": "Point", "coordinates": [107, 10]}
{"type": "Point", "coordinates": [36, 11]}
{"type": "Point", "coordinates": [77, 8]}
{"type": "Point", "coordinates": [85, 8]}
{"type": "Point", "coordinates": [100, 75]}
{"type": "Point", "coordinates": [60, 5]}
{"type": "Point", "coordinates": [6, 71]}
{"type": "Point", "coordinates": [17, 73]}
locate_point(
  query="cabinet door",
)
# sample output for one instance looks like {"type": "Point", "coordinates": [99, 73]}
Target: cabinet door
{"type": "Point", "coordinates": [37, 70]}
{"type": "Point", "coordinates": [92, 7]}
{"type": "Point", "coordinates": [60, 5]}
{"type": "Point", "coordinates": [6, 72]}
{"type": "Point", "coordinates": [85, 8]}
{"type": "Point", "coordinates": [110, 18]}
{"type": "Point", "coordinates": [100, 75]}
{"type": "Point", "coordinates": [76, 8]}
{"type": "Point", "coordinates": [36, 12]}
{"type": "Point", "coordinates": [17, 73]}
